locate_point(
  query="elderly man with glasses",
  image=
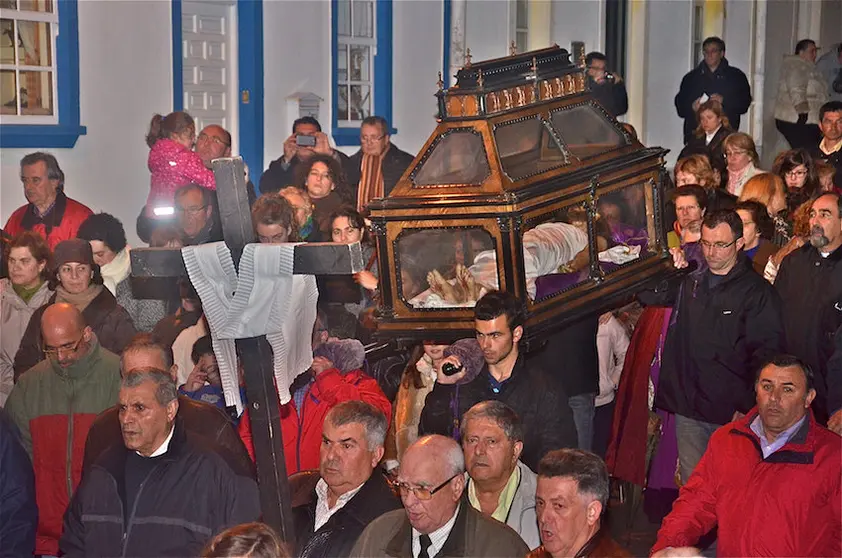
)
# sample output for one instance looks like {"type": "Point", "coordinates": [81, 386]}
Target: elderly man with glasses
{"type": "Point", "coordinates": [54, 404]}
{"type": "Point", "coordinates": [726, 323]}
{"type": "Point", "coordinates": [214, 142]}
{"type": "Point", "coordinates": [375, 169]}
{"type": "Point", "coordinates": [436, 519]}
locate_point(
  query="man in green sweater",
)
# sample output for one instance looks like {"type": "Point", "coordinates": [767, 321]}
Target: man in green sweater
{"type": "Point", "coordinates": [54, 405]}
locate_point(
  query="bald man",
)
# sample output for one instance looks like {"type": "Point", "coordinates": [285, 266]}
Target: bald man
{"type": "Point", "coordinates": [54, 404]}
{"type": "Point", "coordinates": [436, 521]}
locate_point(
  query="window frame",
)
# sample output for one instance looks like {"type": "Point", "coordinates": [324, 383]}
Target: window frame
{"type": "Point", "coordinates": [515, 29]}
{"type": "Point", "coordinates": [347, 133]}
{"type": "Point", "coordinates": [67, 128]}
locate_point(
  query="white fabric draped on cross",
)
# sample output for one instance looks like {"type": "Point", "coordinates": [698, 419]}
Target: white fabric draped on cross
{"type": "Point", "coordinates": [264, 299]}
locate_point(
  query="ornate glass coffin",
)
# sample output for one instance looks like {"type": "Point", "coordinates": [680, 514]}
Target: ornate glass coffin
{"type": "Point", "coordinates": [527, 185]}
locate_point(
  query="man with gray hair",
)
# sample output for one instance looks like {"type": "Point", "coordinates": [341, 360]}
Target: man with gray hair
{"type": "Point", "coordinates": [350, 491]}
{"type": "Point", "coordinates": [436, 521]}
{"type": "Point", "coordinates": [165, 491]}
{"type": "Point", "coordinates": [571, 499]}
{"type": "Point", "coordinates": [498, 484]}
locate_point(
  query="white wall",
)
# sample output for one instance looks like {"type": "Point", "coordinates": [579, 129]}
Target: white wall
{"type": "Point", "coordinates": [487, 29]}
{"type": "Point", "coordinates": [668, 52]}
{"type": "Point", "coordinates": [579, 20]}
{"type": "Point", "coordinates": [125, 77]}
{"type": "Point", "coordinates": [738, 43]}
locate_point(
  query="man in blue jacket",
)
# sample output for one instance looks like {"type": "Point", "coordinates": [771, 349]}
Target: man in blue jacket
{"type": "Point", "coordinates": [18, 512]}
{"type": "Point", "coordinates": [715, 79]}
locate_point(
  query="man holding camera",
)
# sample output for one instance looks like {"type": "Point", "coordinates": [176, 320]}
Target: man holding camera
{"type": "Point", "coordinates": [307, 139]}
{"type": "Point", "coordinates": [606, 87]}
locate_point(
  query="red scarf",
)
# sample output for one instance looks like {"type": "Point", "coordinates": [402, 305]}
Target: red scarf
{"type": "Point", "coordinates": [371, 180]}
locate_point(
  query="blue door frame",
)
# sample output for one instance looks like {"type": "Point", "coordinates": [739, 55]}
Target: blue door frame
{"type": "Point", "coordinates": [250, 75]}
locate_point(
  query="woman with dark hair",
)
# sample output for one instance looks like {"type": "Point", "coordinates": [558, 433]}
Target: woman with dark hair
{"type": "Point", "coordinates": [111, 253]}
{"type": "Point", "coordinates": [712, 130]}
{"type": "Point", "coordinates": [323, 180]}
{"type": "Point", "coordinates": [757, 228]}
{"type": "Point", "coordinates": [77, 280]}
{"type": "Point", "coordinates": [274, 220]}
{"type": "Point", "coordinates": [249, 540]}
{"type": "Point", "coordinates": [798, 171]}
{"type": "Point", "coordinates": [348, 226]}
{"type": "Point", "coordinates": [21, 294]}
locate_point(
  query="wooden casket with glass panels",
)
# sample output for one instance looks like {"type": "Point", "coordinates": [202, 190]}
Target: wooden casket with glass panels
{"type": "Point", "coordinates": [527, 185]}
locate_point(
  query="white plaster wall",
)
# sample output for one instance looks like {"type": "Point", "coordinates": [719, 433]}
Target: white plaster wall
{"type": "Point", "coordinates": [417, 58]}
{"type": "Point", "coordinates": [487, 29]}
{"type": "Point", "coordinates": [296, 58]}
{"type": "Point", "coordinates": [738, 43]}
{"type": "Point", "coordinates": [125, 77]}
{"type": "Point", "coordinates": [668, 52]}
{"type": "Point", "coordinates": [781, 24]}
{"type": "Point", "coordinates": [578, 20]}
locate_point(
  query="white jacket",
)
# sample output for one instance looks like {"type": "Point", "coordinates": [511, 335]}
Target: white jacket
{"type": "Point", "coordinates": [802, 88]}
{"type": "Point", "coordinates": [612, 342]}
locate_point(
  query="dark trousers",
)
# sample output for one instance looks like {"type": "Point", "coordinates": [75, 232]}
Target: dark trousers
{"type": "Point", "coordinates": [807, 136]}
{"type": "Point", "coordinates": [602, 421]}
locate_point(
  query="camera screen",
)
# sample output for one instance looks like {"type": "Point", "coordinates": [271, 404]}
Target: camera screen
{"type": "Point", "coordinates": [305, 141]}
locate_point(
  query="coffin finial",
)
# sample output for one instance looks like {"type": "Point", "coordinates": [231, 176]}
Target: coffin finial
{"type": "Point", "coordinates": [513, 49]}
{"type": "Point", "coordinates": [440, 83]}
{"type": "Point", "coordinates": [468, 58]}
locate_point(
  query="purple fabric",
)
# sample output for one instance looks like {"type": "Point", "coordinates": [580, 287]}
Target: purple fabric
{"type": "Point", "coordinates": [626, 234]}
{"type": "Point", "coordinates": [663, 466]}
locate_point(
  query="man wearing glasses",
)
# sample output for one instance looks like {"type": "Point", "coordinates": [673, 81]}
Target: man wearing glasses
{"type": "Point", "coordinates": [436, 519]}
{"type": "Point", "coordinates": [726, 323]}
{"type": "Point", "coordinates": [375, 169]}
{"type": "Point", "coordinates": [714, 79]}
{"type": "Point", "coordinates": [54, 404]}
{"type": "Point", "coordinates": [350, 491]}
{"type": "Point", "coordinates": [194, 212]}
{"type": "Point", "coordinates": [214, 142]}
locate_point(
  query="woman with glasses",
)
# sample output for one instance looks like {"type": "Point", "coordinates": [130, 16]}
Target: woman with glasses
{"type": "Point", "coordinates": [21, 294]}
{"type": "Point", "coordinates": [324, 181]}
{"type": "Point", "coordinates": [77, 280]}
{"type": "Point", "coordinates": [798, 171]}
{"type": "Point", "coordinates": [741, 160]}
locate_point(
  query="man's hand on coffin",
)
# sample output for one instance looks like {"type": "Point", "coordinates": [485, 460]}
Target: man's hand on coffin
{"type": "Point", "coordinates": [443, 378]}
{"type": "Point", "coordinates": [678, 259]}
{"type": "Point", "coordinates": [320, 364]}
{"type": "Point", "coordinates": [366, 280]}
{"type": "Point", "coordinates": [195, 380]}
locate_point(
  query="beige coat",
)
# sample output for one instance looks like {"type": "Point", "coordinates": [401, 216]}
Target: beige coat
{"type": "Point", "coordinates": [14, 317]}
{"type": "Point", "coordinates": [802, 88]}
{"type": "Point", "coordinates": [409, 403]}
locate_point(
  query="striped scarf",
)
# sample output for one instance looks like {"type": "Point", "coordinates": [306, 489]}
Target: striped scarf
{"type": "Point", "coordinates": [371, 180]}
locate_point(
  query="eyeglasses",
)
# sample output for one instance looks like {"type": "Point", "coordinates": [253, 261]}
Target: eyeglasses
{"type": "Point", "coordinates": [717, 245]}
{"type": "Point", "coordinates": [735, 153]}
{"type": "Point", "coordinates": [191, 211]}
{"type": "Point", "coordinates": [53, 352]}
{"type": "Point", "coordinates": [372, 139]}
{"type": "Point", "coordinates": [204, 137]}
{"type": "Point", "coordinates": [795, 174]}
{"type": "Point", "coordinates": [420, 492]}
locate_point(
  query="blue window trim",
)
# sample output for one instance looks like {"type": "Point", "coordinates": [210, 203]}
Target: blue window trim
{"type": "Point", "coordinates": [382, 72]}
{"type": "Point", "coordinates": [250, 70]}
{"type": "Point", "coordinates": [67, 131]}
{"type": "Point", "coordinates": [447, 10]}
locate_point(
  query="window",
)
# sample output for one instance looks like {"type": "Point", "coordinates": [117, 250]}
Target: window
{"type": "Point", "coordinates": [520, 24]}
{"type": "Point", "coordinates": [698, 31]}
{"type": "Point", "coordinates": [39, 74]}
{"type": "Point", "coordinates": [27, 61]}
{"type": "Point", "coordinates": [362, 65]}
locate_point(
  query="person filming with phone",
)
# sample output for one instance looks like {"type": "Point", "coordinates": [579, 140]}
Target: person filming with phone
{"type": "Point", "coordinates": [607, 87]}
{"type": "Point", "coordinates": [307, 140]}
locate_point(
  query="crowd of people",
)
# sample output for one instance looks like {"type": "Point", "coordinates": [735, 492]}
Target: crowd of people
{"type": "Point", "coordinates": [725, 382]}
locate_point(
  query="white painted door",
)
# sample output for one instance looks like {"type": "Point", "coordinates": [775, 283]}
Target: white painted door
{"type": "Point", "coordinates": [209, 48]}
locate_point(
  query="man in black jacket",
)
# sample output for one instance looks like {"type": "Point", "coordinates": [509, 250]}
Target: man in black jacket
{"type": "Point", "coordinates": [810, 285]}
{"type": "Point", "coordinates": [715, 79]}
{"type": "Point", "coordinates": [374, 170]}
{"type": "Point", "coordinates": [538, 400]}
{"type": "Point", "coordinates": [726, 322]}
{"type": "Point", "coordinates": [18, 511]}
{"type": "Point", "coordinates": [350, 491]}
{"type": "Point", "coordinates": [164, 491]}
{"type": "Point", "coordinates": [606, 87]}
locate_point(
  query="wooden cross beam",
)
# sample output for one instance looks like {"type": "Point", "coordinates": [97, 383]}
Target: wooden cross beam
{"type": "Point", "coordinates": [309, 259]}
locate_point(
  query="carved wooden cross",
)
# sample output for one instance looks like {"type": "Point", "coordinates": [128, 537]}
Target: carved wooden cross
{"type": "Point", "coordinates": [323, 258]}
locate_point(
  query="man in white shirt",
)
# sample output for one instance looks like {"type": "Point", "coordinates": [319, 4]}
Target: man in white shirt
{"type": "Point", "coordinates": [350, 490]}
{"type": "Point", "coordinates": [436, 519]}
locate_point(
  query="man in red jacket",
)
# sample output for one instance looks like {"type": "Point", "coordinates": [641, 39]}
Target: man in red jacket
{"type": "Point", "coordinates": [49, 212]}
{"type": "Point", "coordinates": [770, 481]}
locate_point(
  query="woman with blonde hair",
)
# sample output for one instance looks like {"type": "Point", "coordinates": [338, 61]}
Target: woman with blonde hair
{"type": "Point", "coordinates": [741, 162]}
{"type": "Point", "coordinates": [768, 189]}
{"type": "Point", "coordinates": [696, 169]}
{"type": "Point", "coordinates": [712, 130]}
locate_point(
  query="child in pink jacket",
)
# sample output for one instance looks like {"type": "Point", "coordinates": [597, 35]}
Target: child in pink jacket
{"type": "Point", "coordinates": [172, 161]}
